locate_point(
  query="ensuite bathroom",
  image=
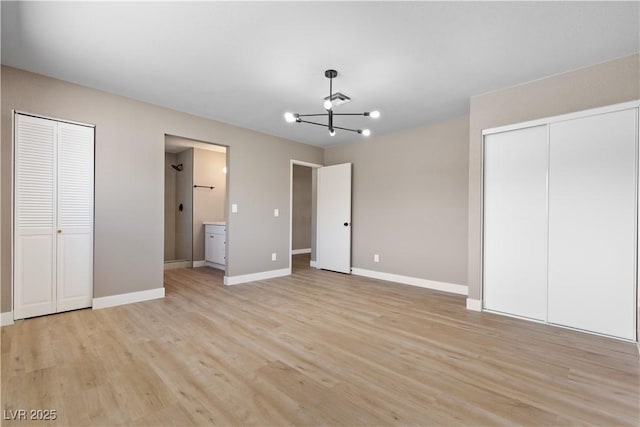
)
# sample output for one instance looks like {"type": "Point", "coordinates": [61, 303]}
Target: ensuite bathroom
{"type": "Point", "coordinates": [195, 187]}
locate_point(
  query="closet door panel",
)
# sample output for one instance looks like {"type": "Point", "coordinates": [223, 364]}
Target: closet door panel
{"type": "Point", "coordinates": [515, 222]}
{"type": "Point", "coordinates": [592, 220]}
{"type": "Point", "coordinates": [75, 216]}
{"type": "Point", "coordinates": [34, 216]}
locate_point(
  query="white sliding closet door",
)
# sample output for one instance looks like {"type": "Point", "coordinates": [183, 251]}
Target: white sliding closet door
{"type": "Point", "coordinates": [53, 216]}
{"type": "Point", "coordinates": [35, 217]}
{"type": "Point", "coordinates": [592, 220]}
{"type": "Point", "coordinates": [515, 222]}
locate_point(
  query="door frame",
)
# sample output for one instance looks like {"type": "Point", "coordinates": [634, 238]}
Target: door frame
{"type": "Point", "coordinates": [292, 162]}
{"type": "Point", "coordinates": [478, 305]}
{"type": "Point", "coordinates": [8, 321]}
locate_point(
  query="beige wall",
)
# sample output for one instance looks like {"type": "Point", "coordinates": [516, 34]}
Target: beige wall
{"type": "Point", "coordinates": [208, 205]}
{"type": "Point", "coordinates": [410, 201]}
{"type": "Point", "coordinates": [129, 180]}
{"type": "Point", "coordinates": [599, 85]}
{"type": "Point", "coordinates": [302, 192]}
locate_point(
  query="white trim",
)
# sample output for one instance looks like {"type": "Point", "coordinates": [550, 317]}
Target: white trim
{"type": "Point", "coordinates": [313, 263]}
{"type": "Point", "coordinates": [413, 281]}
{"type": "Point", "coordinates": [253, 277]}
{"type": "Point", "coordinates": [172, 265]}
{"type": "Point", "coordinates": [6, 319]}
{"type": "Point", "coordinates": [197, 264]}
{"type": "Point", "coordinates": [474, 304]}
{"type": "Point", "coordinates": [300, 251]}
{"type": "Point", "coordinates": [215, 265]}
{"type": "Point", "coordinates": [40, 116]}
{"type": "Point", "coordinates": [128, 298]}
{"type": "Point", "coordinates": [564, 117]}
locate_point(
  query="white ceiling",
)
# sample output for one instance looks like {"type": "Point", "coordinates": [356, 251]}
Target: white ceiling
{"type": "Point", "coordinates": [247, 63]}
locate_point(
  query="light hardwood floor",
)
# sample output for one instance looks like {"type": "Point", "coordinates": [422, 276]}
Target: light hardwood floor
{"type": "Point", "coordinates": [315, 348]}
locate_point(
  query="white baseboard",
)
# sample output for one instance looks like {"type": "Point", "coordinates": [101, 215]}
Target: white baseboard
{"type": "Point", "coordinates": [178, 264]}
{"type": "Point", "coordinates": [216, 266]}
{"type": "Point", "coordinates": [301, 251]}
{"type": "Point", "coordinates": [413, 281]}
{"type": "Point", "coordinates": [313, 264]}
{"type": "Point", "coordinates": [263, 275]}
{"type": "Point", "coordinates": [129, 298]}
{"type": "Point", "coordinates": [6, 318]}
{"type": "Point", "coordinates": [474, 304]}
{"type": "Point", "coordinates": [197, 264]}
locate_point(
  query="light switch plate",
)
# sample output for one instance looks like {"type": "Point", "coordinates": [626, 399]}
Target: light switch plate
{"type": "Point", "coordinates": [273, 256]}
{"type": "Point", "coordinates": [234, 208]}
{"type": "Point", "coordinates": [276, 212]}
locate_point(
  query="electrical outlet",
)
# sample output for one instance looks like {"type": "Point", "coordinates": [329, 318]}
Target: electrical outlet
{"type": "Point", "coordinates": [273, 256]}
{"type": "Point", "coordinates": [276, 212]}
{"type": "Point", "coordinates": [234, 208]}
{"type": "Point", "coordinates": [376, 258]}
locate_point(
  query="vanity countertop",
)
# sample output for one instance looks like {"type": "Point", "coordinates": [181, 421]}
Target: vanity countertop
{"type": "Point", "coordinates": [214, 223]}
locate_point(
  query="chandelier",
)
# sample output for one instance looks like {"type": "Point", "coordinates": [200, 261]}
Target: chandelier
{"type": "Point", "coordinates": [331, 101]}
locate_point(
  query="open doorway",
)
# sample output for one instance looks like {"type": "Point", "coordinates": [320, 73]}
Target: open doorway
{"type": "Point", "coordinates": [302, 214]}
{"type": "Point", "coordinates": [195, 203]}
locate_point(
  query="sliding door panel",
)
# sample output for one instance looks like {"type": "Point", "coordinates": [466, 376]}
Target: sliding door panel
{"type": "Point", "coordinates": [592, 220]}
{"type": "Point", "coordinates": [515, 222]}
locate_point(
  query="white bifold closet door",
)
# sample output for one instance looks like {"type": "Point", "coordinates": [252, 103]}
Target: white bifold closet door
{"type": "Point", "coordinates": [592, 223]}
{"type": "Point", "coordinates": [515, 222]}
{"type": "Point", "coordinates": [53, 216]}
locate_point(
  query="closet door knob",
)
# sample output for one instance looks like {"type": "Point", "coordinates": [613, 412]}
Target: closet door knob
{"type": "Point", "coordinates": [59, 231]}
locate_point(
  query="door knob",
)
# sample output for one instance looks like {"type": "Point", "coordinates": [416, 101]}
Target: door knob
{"type": "Point", "coordinates": [59, 231]}
{"type": "Point", "coordinates": [346, 224]}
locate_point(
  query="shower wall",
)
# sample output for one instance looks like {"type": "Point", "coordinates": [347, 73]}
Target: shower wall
{"type": "Point", "coordinates": [169, 207]}
{"type": "Point", "coordinates": [208, 205]}
{"type": "Point", "coordinates": [178, 191]}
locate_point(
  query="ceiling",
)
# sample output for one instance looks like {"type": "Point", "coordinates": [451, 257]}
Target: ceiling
{"type": "Point", "coordinates": [247, 63]}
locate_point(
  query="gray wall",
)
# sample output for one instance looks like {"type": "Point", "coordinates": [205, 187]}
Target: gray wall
{"type": "Point", "coordinates": [129, 180]}
{"type": "Point", "coordinates": [302, 192]}
{"type": "Point", "coordinates": [208, 205]}
{"type": "Point", "coordinates": [410, 201]}
{"type": "Point", "coordinates": [184, 196]}
{"type": "Point", "coordinates": [599, 85]}
{"type": "Point", "coordinates": [169, 207]}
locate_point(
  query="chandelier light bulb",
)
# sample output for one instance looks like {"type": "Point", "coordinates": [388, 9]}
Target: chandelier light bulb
{"type": "Point", "coordinates": [328, 104]}
{"type": "Point", "coordinates": [374, 114]}
{"type": "Point", "coordinates": [289, 117]}
{"type": "Point", "coordinates": [366, 132]}
{"type": "Point", "coordinates": [332, 132]}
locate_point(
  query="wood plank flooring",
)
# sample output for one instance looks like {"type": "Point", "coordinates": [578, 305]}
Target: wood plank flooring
{"type": "Point", "coordinates": [315, 348]}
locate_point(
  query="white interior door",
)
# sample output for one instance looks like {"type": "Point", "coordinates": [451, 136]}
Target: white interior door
{"type": "Point", "coordinates": [34, 218]}
{"type": "Point", "coordinates": [75, 217]}
{"type": "Point", "coordinates": [515, 222]}
{"type": "Point", "coordinates": [333, 225]}
{"type": "Point", "coordinates": [592, 220]}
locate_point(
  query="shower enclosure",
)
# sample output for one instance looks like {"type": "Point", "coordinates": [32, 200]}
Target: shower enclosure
{"type": "Point", "coordinates": [178, 205]}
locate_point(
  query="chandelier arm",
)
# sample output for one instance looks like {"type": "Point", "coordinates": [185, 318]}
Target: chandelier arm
{"type": "Point", "coordinates": [313, 123]}
{"type": "Point", "coordinates": [350, 114]}
{"type": "Point", "coordinates": [350, 130]}
{"type": "Point", "coordinates": [312, 115]}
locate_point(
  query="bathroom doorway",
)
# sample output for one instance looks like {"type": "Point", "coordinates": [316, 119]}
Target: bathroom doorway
{"type": "Point", "coordinates": [195, 195]}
